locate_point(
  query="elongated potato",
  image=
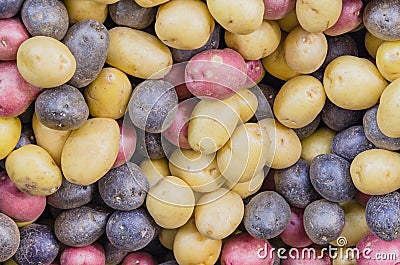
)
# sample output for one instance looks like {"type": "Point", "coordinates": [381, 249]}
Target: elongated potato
{"type": "Point", "coordinates": [10, 131]}
{"type": "Point", "coordinates": [376, 171]}
{"type": "Point", "coordinates": [90, 151]}
{"type": "Point", "coordinates": [155, 170]}
{"type": "Point", "coordinates": [245, 154]}
{"type": "Point", "coordinates": [212, 123]}
{"type": "Point", "coordinates": [33, 171]}
{"type": "Point", "coordinates": [51, 140]}
{"type": "Point", "coordinates": [388, 110]}
{"type": "Point", "coordinates": [138, 53]}
{"type": "Point", "coordinates": [170, 202]}
{"type": "Point", "coordinates": [79, 10]}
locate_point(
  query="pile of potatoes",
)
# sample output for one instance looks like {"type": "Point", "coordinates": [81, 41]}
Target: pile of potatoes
{"type": "Point", "coordinates": [199, 132]}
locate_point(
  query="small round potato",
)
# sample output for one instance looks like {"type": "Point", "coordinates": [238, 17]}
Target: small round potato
{"type": "Point", "coordinates": [387, 115]}
{"type": "Point", "coordinates": [45, 62]}
{"type": "Point", "coordinates": [10, 131]}
{"type": "Point", "coordinates": [108, 95]}
{"type": "Point", "coordinates": [258, 44]}
{"type": "Point", "coordinates": [90, 151]}
{"type": "Point", "coordinates": [188, 239]}
{"type": "Point", "coordinates": [318, 15]}
{"type": "Point", "coordinates": [155, 170]}
{"type": "Point", "coordinates": [376, 171]}
{"type": "Point", "coordinates": [239, 16]}
{"type": "Point", "coordinates": [198, 170]}
{"type": "Point", "coordinates": [372, 43]}
{"type": "Point", "coordinates": [79, 10]}
{"type": "Point", "coordinates": [388, 60]}
{"type": "Point", "coordinates": [349, 77]}
{"type": "Point", "coordinates": [320, 142]}
{"type": "Point", "coordinates": [138, 53]}
{"type": "Point", "coordinates": [299, 101]}
{"type": "Point", "coordinates": [219, 213]}
{"type": "Point", "coordinates": [305, 52]}
{"type": "Point", "coordinates": [184, 24]}
{"type": "Point", "coordinates": [33, 171]}
{"type": "Point", "coordinates": [170, 202]}
{"type": "Point", "coordinates": [248, 188]}
{"type": "Point", "coordinates": [150, 3]}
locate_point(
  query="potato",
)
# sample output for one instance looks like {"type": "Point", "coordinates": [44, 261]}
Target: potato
{"type": "Point", "coordinates": [10, 237]}
{"type": "Point", "coordinates": [248, 104]}
{"type": "Point", "coordinates": [10, 8]}
{"type": "Point", "coordinates": [339, 119]}
{"type": "Point", "coordinates": [127, 143]}
{"type": "Point", "coordinates": [45, 18]}
{"type": "Point", "coordinates": [318, 143]}
{"type": "Point", "coordinates": [151, 145]}
{"type": "Point", "coordinates": [265, 97]}
{"type": "Point", "coordinates": [108, 95]}
{"type": "Point", "coordinates": [139, 258]}
{"type": "Point", "coordinates": [212, 124]}
{"type": "Point", "coordinates": [299, 101]}
{"type": "Point", "coordinates": [40, 176]}
{"type": "Point", "coordinates": [248, 188]}
{"type": "Point", "coordinates": [105, 1]}
{"type": "Point", "coordinates": [345, 256]}
{"type": "Point", "coordinates": [170, 202]}
{"type": "Point", "coordinates": [318, 15]}
{"type": "Point", "coordinates": [375, 172]}
{"type": "Point", "coordinates": [309, 129]}
{"type": "Point", "coordinates": [10, 131]}
{"type": "Point", "coordinates": [167, 237]}
{"type": "Point", "coordinates": [129, 13]}
{"type": "Point", "coordinates": [388, 60]}
{"type": "Point", "coordinates": [372, 43]}
{"type": "Point", "coordinates": [305, 52]}
{"type": "Point", "coordinates": [150, 3]}
{"type": "Point", "coordinates": [294, 234]}
{"type": "Point", "coordinates": [240, 17]}
{"type": "Point", "coordinates": [12, 34]}
{"type": "Point", "coordinates": [285, 147]}
{"type": "Point", "coordinates": [92, 254]}
{"type": "Point", "coordinates": [255, 73]}
{"type": "Point", "coordinates": [278, 9]}
{"type": "Point", "coordinates": [339, 46]}
{"type": "Point", "coordinates": [289, 22]}
{"type": "Point", "coordinates": [378, 246]}
{"type": "Point", "coordinates": [187, 239]}
{"type": "Point", "coordinates": [45, 62]}
{"type": "Point", "coordinates": [381, 19]}
{"type": "Point", "coordinates": [387, 116]}
{"type": "Point", "coordinates": [79, 10]}
{"type": "Point", "coordinates": [356, 78]}
{"type": "Point", "coordinates": [129, 47]}
{"type": "Point", "coordinates": [155, 170]}
{"type": "Point", "coordinates": [350, 18]}
{"type": "Point", "coordinates": [90, 151]}
{"type": "Point", "coordinates": [258, 44]}
{"type": "Point", "coordinates": [198, 170]}
{"type": "Point", "coordinates": [184, 24]}
{"type": "Point", "coordinates": [112, 253]}
{"type": "Point", "coordinates": [16, 94]}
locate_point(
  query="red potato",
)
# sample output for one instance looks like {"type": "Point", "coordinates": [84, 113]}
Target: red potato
{"type": "Point", "coordinates": [177, 132]}
{"type": "Point", "coordinates": [294, 234]}
{"type": "Point", "coordinates": [216, 73]}
{"type": "Point", "coordinates": [374, 250]}
{"type": "Point", "coordinates": [350, 18]}
{"type": "Point", "coordinates": [176, 76]}
{"type": "Point", "coordinates": [15, 93]}
{"type": "Point", "coordinates": [362, 198]}
{"type": "Point", "coordinates": [245, 249]}
{"type": "Point", "coordinates": [277, 9]}
{"type": "Point", "coordinates": [139, 258]}
{"type": "Point", "coordinates": [305, 256]}
{"type": "Point", "coordinates": [18, 205]}
{"type": "Point", "coordinates": [127, 143]}
{"type": "Point", "coordinates": [89, 255]}
{"type": "Point", "coordinates": [12, 34]}
{"type": "Point", "coordinates": [255, 73]}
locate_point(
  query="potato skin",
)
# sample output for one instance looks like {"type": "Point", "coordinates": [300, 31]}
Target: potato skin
{"type": "Point", "coordinates": [320, 142]}
{"type": "Point", "coordinates": [372, 43]}
{"type": "Point", "coordinates": [10, 237]}
{"type": "Point", "coordinates": [139, 257]}
{"type": "Point", "coordinates": [127, 143]}
{"type": "Point", "coordinates": [275, 10]}
{"type": "Point", "coordinates": [129, 13]}
{"type": "Point", "coordinates": [294, 234]}
{"type": "Point", "coordinates": [339, 46]}
{"type": "Point", "coordinates": [377, 245]}
{"type": "Point", "coordinates": [10, 131]}
{"type": "Point", "coordinates": [388, 60]}
{"type": "Point", "coordinates": [339, 119]}
{"type": "Point", "coordinates": [85, 9]}
{"type": "Point", "coordinates": [350, 18]}
{"type": "Point", "coordinates": [309, 129]}
{"type": "Point", "coordinates": [92, 254]}
{"type": "Point", "coordinates": [150, 3]}
{"type": "Point", "coordinates": [10, 8]}
{"type": "Point", "coordinates": [387, 115]}
{"type": "Point", "coordinates": [12, 34]}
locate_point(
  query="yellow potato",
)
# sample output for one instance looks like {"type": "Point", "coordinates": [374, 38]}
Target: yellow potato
{"type": "Point", "coordinates": [388, 110]}
{"type": "Point", "coordinates": [10, 131]}
{"type": "Point", "coordinates": [190, 247]}
{"type": "Point", "coordinates": [198, 170]}
{"type": "Point", "coordinates": [345, 256]}
{"type": "Point", "coordinates": [170, 202]}
{"type": "Point", "coordinates": [212, 124]}
{"type": "Point", "coordinates": [167, 237]}
{"type": "Point", "coordinates": [90, 151]}
{"type": "Point", "coordinates": [248, 188]}
{"type": "Point", "coordinates": [248, 104]}
{"type": "Point", "coordinates": [286, 146]}
{"type": "Point", "coordinates": [107, 2]}
{"type": "Point", "coordinates": [239, 16]}
{"type": "Point", "coordinates": [155, 169]}
{"type": "Point", "coordinates": [372, 43]}
{"type": "Point", "coordinates": [299, 101]}
{"type": "Point", "coordinates": [258, 44]}
{"type": "Point", "coordinates": [388, 60]}
{"type": "Point", "coordinates": [45, 62]}
{"type": "Point", "coordinates": [138, 53]}
{"type": "Point", "coordinates": [318, 15]}
{"type": "Point", "coordinates": [150, 3]}
{"type": "Point", "coordinates": [22, 224]}
{"type": "Point", "coordinates": [51, 140]}
{"type": "Point", "coordinates": [79, 10]}
{"type": "Point", "coordinates": [10, 262]}
{"type": "Point", "coordinates": [317, 143]}
{"type": "Point", "coordinates": [108, 95]}
{"type": "Point", "coordinates": [289, 22]}
{"type": "Point", "coordinates": [184, 24]}
{"type": "Point", "coordinates": [245, 154]}
{"type": "Point", "coordinates": [376, 171]}
{"type": "Point", "coordinates": [33, 171]}
{"type": "Point", "coordinates": [349, 77]}
{"type": "Point", "coordinates": [305, 52]}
